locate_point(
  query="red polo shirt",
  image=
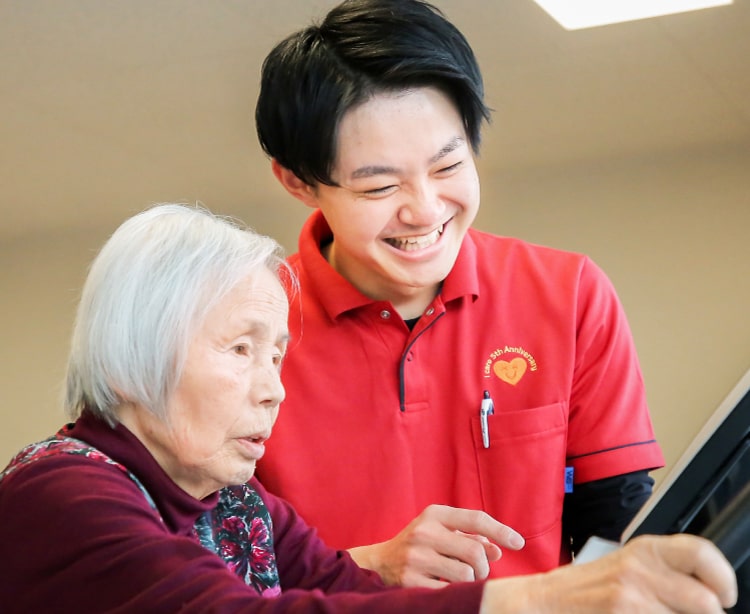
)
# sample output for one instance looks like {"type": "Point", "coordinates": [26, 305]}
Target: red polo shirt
{"type": "Point", "coordinates": [380, 421]}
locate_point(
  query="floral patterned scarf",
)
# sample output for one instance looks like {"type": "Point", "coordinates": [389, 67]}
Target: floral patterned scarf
{"type": "Point", "coordinates": [239, 530]}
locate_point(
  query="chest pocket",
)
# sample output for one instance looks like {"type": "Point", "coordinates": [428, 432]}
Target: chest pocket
{"type": "Point", "coordinates": [522, 473]}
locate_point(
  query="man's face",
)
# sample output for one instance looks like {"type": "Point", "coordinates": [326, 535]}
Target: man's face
{"type": "Point", "coordinates": [407, 193]}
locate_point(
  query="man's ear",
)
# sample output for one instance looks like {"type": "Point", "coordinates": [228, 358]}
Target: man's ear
{"type": "Point", "coordinates": [294, 185]}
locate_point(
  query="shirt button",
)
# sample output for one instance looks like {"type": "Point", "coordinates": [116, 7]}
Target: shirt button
{"type": "Point", "coordinates": [385, 314]}
{"type": "Point", "coordinates": [430, 311]}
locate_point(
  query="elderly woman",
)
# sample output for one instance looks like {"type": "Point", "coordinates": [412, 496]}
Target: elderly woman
{"type": "Point", "coordinates": [147, 502]}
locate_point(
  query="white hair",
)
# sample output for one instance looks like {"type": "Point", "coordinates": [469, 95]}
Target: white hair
{"type": "Point", "coordinates": [147, 290]}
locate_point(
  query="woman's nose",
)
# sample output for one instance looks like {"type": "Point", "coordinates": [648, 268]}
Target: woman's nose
{"type": "Point", "coordinates": [267, 387]}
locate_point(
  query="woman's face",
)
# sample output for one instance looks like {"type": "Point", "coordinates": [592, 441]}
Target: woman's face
{"type": "Point", "coordinates": [228, 396]}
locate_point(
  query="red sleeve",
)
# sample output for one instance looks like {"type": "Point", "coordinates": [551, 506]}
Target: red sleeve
{"type": "Point", "coordinates": [610, 430]}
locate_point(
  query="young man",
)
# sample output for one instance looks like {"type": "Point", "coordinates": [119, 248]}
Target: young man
{"type": "Point", "coordinates": [436, 369]}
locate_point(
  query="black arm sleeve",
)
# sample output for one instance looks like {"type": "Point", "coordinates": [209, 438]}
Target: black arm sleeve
{"type": "Point", "coordinates": [604, 507]}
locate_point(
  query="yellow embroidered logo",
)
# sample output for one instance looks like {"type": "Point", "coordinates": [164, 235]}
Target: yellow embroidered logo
{"type": "Point", "coordinates": [509, 364]}
{"type": "Point", "coordinates": [510, 372]}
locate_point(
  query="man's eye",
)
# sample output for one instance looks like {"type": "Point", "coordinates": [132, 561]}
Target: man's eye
{"type": "Point", "coordinates": [380, 191]}
{"type": "Point", "coordinates": [241, 349]}
{"type": "Point", "coordinates": [450, 168]}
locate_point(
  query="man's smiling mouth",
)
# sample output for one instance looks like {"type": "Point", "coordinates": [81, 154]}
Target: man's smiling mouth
{"type": "Point", "coordinates": [410, 244]}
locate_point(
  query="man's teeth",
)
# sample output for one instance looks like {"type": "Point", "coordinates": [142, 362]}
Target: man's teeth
{"type": "Point", "coordinates": [414, 243]}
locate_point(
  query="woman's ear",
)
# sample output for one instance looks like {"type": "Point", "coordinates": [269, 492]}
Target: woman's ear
{"type": "Point", "coordinates": [294, 185]}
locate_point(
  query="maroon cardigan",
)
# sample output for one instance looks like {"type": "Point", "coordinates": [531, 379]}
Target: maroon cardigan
{"type": "Point", "coordinates": [78, 535]}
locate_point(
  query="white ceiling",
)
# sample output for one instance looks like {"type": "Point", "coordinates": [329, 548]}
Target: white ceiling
{"type": "Point", "coordinates": [107, 106]}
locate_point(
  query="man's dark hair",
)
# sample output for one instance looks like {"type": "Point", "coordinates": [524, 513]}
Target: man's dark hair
{"type": "Point", "coordinates": [362, 47]}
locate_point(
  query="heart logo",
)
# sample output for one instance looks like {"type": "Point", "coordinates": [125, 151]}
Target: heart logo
{"type": "Point", "coordinates": [510, 372]}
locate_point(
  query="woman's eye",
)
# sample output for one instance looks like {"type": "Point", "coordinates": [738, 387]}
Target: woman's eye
{"type": "Point", "coordinates": [241, 349]}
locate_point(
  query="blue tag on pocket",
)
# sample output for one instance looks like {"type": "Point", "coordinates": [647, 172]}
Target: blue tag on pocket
{"type": "Point", "coordinates": [568, 479]}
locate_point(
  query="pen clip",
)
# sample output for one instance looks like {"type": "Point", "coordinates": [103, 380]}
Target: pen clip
{"type": "Point", "coordinates": [487, 408]}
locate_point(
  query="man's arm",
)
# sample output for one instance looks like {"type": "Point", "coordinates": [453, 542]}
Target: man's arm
{"type": "Point", "coordinates": [604, 507]}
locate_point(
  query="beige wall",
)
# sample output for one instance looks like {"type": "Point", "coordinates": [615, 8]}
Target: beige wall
{"type": "Point", "coordinates": [672, 231]}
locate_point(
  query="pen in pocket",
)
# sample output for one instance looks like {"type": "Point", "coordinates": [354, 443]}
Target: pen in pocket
{"type": "Point", "coordinates": [487, 408]}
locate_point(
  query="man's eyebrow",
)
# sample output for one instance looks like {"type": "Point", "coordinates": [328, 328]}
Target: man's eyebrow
{"type": "Point", "coordinates": [374, 169]}
{"type": "Point", "coordinates": [371, 171]}
{"type": "Point", "coordinates": [450, 146]}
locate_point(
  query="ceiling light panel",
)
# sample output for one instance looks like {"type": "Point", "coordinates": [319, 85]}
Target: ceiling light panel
{"type": "Point", "coordinates": [577, 14]}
